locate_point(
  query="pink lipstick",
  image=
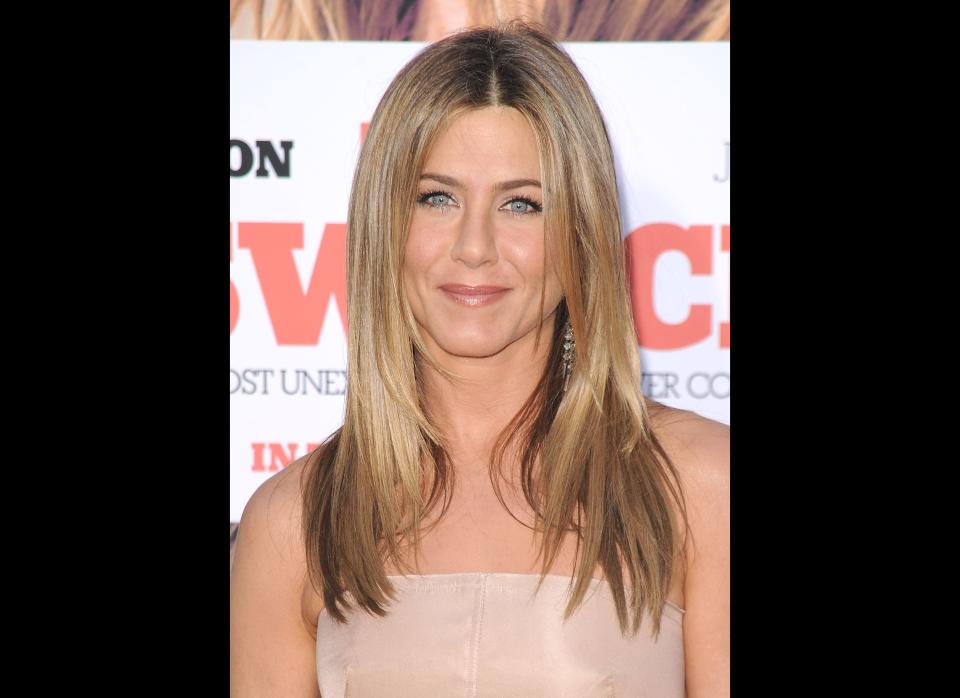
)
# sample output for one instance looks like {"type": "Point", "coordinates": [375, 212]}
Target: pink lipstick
{"type": "Point", "coordinates": [473, 296]}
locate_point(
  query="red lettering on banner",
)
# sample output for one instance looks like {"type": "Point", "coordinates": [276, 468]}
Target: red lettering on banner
{"type": "Point", "coordinates": [725, 326]}
{"type": "Point", "coordinates": [234, 296]}
{"type": "Point", "coordinates": [297, 317]}
{"type": "Point", "coordinates": [643, 248]}
{"type": "Point", "coordinates": [280, 457]}
{"type": "Point", "coordinates": [258, 457]}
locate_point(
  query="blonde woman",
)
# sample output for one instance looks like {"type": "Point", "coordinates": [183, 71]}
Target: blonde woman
{"type": "Point", "coordinates": [429, 20]}
{"type": "Point", "coordinates": [502, 513]}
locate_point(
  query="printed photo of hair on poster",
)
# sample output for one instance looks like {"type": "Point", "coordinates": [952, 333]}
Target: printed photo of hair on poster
{"type": "Point", "coordinates": [430, 20]}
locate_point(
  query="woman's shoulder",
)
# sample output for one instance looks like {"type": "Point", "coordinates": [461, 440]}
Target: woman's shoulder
{"type": "Point", "coordinates": [273, 515]}
{"type": "Point", "coordinates": [281, 493]}
{"type": "Point", "coordinates": [699, 449]}
{"type": "Point", "coordinates": [695, 440]}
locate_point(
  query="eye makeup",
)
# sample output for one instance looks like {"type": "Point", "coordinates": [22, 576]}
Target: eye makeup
{"type": "Point", "coordinates": [424, 200]}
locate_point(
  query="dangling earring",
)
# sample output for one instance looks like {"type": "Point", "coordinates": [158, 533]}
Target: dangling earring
{"type": "Point", "coordinates": [569, 354]}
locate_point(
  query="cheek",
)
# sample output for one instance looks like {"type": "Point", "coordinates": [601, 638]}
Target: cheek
{"type": "Point", "coordinates": [415, 255]}
{"type": "Point", "coordinates": [527, 255]}
{"type": "Point", "coordinates": [420, 258]}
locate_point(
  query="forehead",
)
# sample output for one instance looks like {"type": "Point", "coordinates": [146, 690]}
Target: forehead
{"type": "Point", "coordinates": [488, 141]}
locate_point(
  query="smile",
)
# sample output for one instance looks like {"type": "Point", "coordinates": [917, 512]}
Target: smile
{"type": "Point", "coordinates": [473, 296]}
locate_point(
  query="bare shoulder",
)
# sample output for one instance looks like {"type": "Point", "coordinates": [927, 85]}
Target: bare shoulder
{"type": "Point", "coordinates": [700, 451]}
{"type": "Point", "coordinates": [272, 649]}
{"type": "Point", "coordinates": [274, 510]}
{"type": "Point", "coordinates": [699, 448]}
{"type": "Point", "coordinates": [284, 489]}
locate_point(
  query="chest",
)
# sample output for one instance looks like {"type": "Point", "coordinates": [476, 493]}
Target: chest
{"type": "Point", "coordinates": [478, 533]}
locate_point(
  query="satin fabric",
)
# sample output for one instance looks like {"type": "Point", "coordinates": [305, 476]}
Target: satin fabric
{"type": "Point", "coordinates": [480, 634]}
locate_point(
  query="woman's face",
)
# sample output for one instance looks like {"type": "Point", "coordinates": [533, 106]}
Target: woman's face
{"type": "Point", "coordinates": [474, 261]}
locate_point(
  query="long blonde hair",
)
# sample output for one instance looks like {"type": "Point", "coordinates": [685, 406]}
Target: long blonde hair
{"type": "Point", "coordinates": [370, 486]}
{"type": "Point", "coordinates": [565, 20]}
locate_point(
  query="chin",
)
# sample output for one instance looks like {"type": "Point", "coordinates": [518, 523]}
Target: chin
{"type": "Point", "coordinates": [471, 349]}
{"type": "Point", "coordinates": [472, 343]}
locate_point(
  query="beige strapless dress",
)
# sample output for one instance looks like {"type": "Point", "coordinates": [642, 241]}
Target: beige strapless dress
{"type": "Point", "coordinates": [479, 634]}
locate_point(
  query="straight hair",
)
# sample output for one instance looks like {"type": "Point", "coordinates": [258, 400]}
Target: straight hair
{"type": "Point", "coordinates": [369, 488]}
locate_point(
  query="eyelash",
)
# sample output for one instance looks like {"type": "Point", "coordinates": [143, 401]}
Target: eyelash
{"type": "Point", "coordinates": [536, 206]}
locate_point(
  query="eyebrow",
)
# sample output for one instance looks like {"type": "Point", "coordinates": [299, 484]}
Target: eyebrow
{"type": "Point", "coordinates": [500, 186]}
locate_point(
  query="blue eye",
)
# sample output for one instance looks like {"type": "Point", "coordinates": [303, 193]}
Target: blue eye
{"type": "Point", "coordinates": [435, 199]}
{"type": "Point", "coordinates": [521, 206]}
{"type": "Point", "coordinates": [518, 205]}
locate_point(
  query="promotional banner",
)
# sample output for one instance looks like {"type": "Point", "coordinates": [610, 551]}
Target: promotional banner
{"type": "Point", "coordinates": [298, 114]}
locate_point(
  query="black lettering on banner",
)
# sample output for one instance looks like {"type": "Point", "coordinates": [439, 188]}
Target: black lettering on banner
{"type": "Point", "coordinates": [268, 152]}
{"type": "Point", "coordinates": [250, 381]}
{"type": "Point", "coordinates": [255, 381]}
{"type": "Point", "coordinates": [660, 385]}
{"type": "Point", "coordinates": [234, 381]}
{"type": "Point", "coordinates": [315, 384]}
{"type": "Point", "coordinates": [707, 385]}
{"type": "Point", "coordinates": [246, 158]}
{"type": "Point", "coordinates": [283, 382]}
{"type": "Point", "coordinates": [339, 389]}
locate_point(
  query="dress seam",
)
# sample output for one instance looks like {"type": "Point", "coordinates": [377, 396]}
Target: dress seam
{"type": "Point", "coordinates": [477, 634]}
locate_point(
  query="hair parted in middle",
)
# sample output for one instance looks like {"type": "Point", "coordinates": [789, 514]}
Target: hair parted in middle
{"type": "Point", "coordinates": [590, 463]}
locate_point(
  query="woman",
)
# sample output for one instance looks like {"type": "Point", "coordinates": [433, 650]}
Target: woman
{"type": "Point", "coordinates": [496, 446]}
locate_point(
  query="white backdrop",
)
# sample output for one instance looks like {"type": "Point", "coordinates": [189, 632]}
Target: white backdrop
{"type": "Point", "coordinates": [668, 112]}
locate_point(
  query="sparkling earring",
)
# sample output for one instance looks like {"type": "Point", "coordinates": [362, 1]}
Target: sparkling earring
{"type": "Point", "coordinates": [569, 354]}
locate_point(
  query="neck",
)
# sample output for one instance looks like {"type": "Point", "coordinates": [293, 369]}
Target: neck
{"type": "Point", "coordinates": [485, 394]}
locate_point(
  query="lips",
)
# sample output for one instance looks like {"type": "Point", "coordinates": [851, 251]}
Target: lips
{"type": "Point", "coordinates": [473, 296]}
{"type": "Point", "coordinates": [464, 290]}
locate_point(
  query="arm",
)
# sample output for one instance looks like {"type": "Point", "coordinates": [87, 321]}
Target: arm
{"type": "Point", "coordinates": [700, 449]}
{"type": "Point", "coordinates": [272, 652]}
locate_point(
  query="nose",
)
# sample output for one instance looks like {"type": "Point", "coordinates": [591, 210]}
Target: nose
{"type": "Point", "coordinates": [476, 242]}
